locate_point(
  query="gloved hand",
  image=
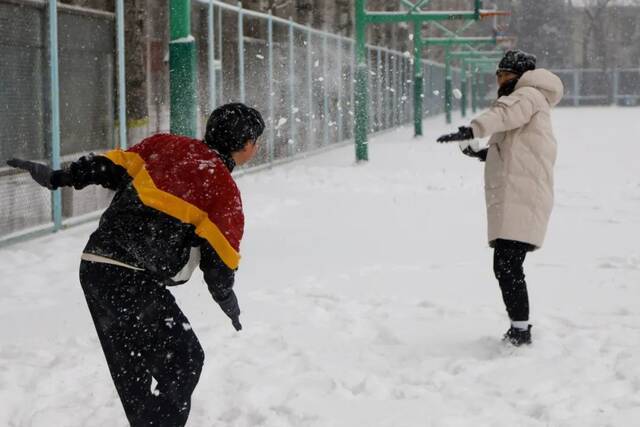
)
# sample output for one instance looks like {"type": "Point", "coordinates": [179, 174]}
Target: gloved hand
{"type": "Point", "coordinates": [472, 149]}
{"type": "Point", "coordinates": [231, 309]}
{"type": "Point", "coordinates": [463, 133]}
{"type": "Point", "coordinates": [39, 172]}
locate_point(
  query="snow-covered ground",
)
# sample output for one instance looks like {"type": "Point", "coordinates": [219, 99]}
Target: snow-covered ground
{"type": "Point", "coordinates": [368, 299]}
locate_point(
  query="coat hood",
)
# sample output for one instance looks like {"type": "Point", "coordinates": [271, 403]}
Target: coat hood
{"type": "Point", "coordinates": [546, 82]}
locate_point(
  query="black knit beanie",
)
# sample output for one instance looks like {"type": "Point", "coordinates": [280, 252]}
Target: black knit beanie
{"type": "Point", "coordinates": [230, 126]}
{"type": "Point", "coordinates": [517, 62]}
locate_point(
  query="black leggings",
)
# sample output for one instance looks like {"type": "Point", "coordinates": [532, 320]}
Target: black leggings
{"type": "Point", "coordinates": [508, 259]}
{"type": "Point", "coordinates": [143, 334]}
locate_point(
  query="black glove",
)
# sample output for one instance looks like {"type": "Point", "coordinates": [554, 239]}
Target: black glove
{"type": "Point", "coordinates": [39, 172]}
{"type": "Point", "coordinates": [480, 155]}
{"type": "Point", "coordinates": [463, 133]}
{"type": "Point", "coordinates": [231, 309]}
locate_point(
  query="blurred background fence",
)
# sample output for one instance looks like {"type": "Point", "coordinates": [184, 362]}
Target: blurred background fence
{"type": "Point", "coordinates": [300, 78]}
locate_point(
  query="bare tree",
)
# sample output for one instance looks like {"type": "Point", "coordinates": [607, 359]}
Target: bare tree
{"type": "Point", "coordinates": [595, 31]}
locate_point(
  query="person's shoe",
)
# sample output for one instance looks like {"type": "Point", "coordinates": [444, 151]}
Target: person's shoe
{"type": "Point", "coordinates": [517, 337]}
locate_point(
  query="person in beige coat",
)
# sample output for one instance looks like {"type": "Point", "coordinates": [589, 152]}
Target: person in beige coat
{"type": "Point", "coordinates": [518, 174]}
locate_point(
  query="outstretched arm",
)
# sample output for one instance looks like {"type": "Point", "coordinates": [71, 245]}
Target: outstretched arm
{"type": "Point", "coordinates": [220, 278]}
{"type": "Point", "coordinates": [507, 113]}
{"type": "Point", "coordinates": [85, 171]}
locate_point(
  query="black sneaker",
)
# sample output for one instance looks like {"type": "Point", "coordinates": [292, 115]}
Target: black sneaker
{"type": "Point", "coordinates": [517, 337]}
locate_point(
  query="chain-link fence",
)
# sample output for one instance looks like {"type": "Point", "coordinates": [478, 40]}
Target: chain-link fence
{"type": "Point", "coordinates": [588, 87]}
{"type": "Point", "coordinates": [302, 79]}
{"type": "Point", "coordinates": [299, 77]}
{"type": "Point", "coordinates": [86, 68]}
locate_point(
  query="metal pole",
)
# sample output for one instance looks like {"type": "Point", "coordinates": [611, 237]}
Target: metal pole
{"type": "Point", "coordinates": [379, 88]}
{"type": "Point", "coordinates": [370, 112]}
{"type": "Point", "coordinates": [396, 113]}
{"type": "Point", "coordinates": [474, 90]}
{"type": "Point", "coordinates": [418, 76]}
{"type": "Point", "coordinates": [325, 95]}
{"type": "Point", "coordinates": [122, 91]}
{"type": "Point", "coordinates": [212, 59]}
{"type": "Point", "coordinates": [182, 70]}
{"type": "Point", "coordinates": [270, 140]}
{"type": "Point", "coordinates": [361, 93]}
{"type": "Point", "coordinates": [406, 84]}
{"type": "Point", "coordinates": [426, 71]}
{"type": "Point", "coordinates": [352, 76]}
{"type": "Point", "coordinates": [221, 100]}
{"type": "Point", "coordinates": [463, 87]}
{"type": "Point", "coordinates": [576, 88]}
{"type": "Point", "coordinates": [403, 87]}
{"type": "Point", "coordinates": [387, 82]}
{"type": "Point", "coordinates": [447, 85]}
{"type": "Point", "coordinates": [339, 116]}
{"type": "Point", "coordinates": [400, 64]}
{"type": "Point", "coordinates": [241, 51]}
{"type": "Point", "coordinates": [616, 83]}
{"type": "Point", "coordinates": [56, 200]}
{"type": "Point", "coordinates": [310, 131]}
{"type": "Point", "coordinates": [292, 93]}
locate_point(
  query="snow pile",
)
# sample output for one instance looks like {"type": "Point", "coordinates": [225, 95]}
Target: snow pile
{"type": "Point", "coordinates": [368, 299]}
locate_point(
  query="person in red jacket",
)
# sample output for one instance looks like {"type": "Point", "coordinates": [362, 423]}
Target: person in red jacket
{"type": "Point", "coordinates": [176, 206]}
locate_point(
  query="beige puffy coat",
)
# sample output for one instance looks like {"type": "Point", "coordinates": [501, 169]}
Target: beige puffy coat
{"type": "Point", "coordinates": [522, 153]}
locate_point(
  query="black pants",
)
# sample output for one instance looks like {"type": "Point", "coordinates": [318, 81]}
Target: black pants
{"type": "Point", "coordinates": [143, 334]}
{"type": "Point", "coordinates": [508, 260]}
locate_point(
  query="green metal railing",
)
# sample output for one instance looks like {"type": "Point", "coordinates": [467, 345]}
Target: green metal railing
{"type": "Point", "coordinates": [319, 86]}
{"type": "Point", "coordinates": [416, 15]}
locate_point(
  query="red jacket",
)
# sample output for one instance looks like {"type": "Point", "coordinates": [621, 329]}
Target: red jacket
{"type": "Point", "coordinates": [187, 180]}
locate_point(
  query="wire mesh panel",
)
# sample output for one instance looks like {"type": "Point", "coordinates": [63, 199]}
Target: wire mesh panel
{"type": "Point", "coordinates": [570, 79]}
{"type": "Point", "coordinates": [434, 89]}
{"type": "Point", "coordinates": [596, 87]}
{"type": "Point", "coordinates": [86, 69]}
{"type": "Point", "coordinates": [87, 98]}
{"type": "Point", "coordinates": [628, 88]}
{"type": "Point", "coordinates": [23, 116]}
{"type": "Point", "coordinates": [23, 90]}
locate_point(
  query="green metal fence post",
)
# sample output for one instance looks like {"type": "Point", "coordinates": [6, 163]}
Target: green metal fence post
{"type": "Point", "coordinates": [182, 70]}
{"type": "Point", "coordinates": [56, 196]}
{"type": "Point", "coordinates": [361, 95]}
